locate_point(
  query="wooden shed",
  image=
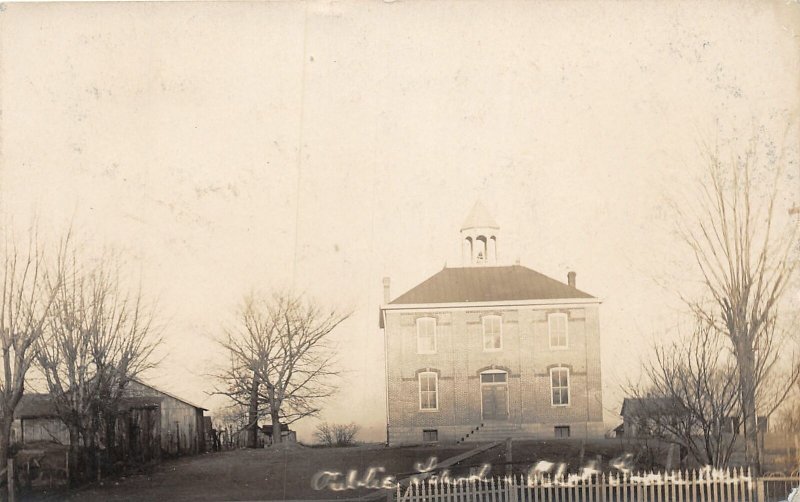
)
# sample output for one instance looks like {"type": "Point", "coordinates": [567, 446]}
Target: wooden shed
{"type": "Point", "coordinates": [182, 425]}
{"type": "Point", "coordinates": [150, 422]}
{"type": "Point", "coordinates": [35, 419]}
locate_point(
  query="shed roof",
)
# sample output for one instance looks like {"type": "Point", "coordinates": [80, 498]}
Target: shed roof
{"type": "Point", "coordinates": [488, 284]}
{"type": "Point", "coordinates": [649, 405]}
{"type": "Point", "coordinates": [173, 396]}
{"type": "Point", "coordinates": [35, 406]}
{"type": "Point", "coordinates": [43, 406]}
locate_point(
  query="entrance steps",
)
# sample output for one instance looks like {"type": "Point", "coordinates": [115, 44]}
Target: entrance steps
{"type": "Point", "coordinates": [493, 431]}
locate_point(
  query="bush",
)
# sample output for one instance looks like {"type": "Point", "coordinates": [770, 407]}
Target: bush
{"type": "Point", "coordinates": [336, 434]}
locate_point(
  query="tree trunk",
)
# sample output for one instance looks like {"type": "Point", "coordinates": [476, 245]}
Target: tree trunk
{"type": "Point", "coordinates": [276, 426]}
{"type": "Point", "coordinates": [252, 418]}
{"type": "Point", "coordinates": [275, 413]}
{"type": "Point", "coordinates": [750, 416]}
{"type": "Point", "coordinates": [5, 440]}
{"type": "Point", "coordinates": [76, 463]}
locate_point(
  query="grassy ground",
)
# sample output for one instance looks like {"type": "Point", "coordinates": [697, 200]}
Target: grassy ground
{"type": "Point", "coordinates": [262, 474]}
{"type": "Point", "coordinates": [286, 473]}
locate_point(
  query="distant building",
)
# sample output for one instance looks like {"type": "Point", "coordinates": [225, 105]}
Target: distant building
{"type": "Point", "coordinates": [651, 416]}
{"type": "Point", "coordinates": [35, 419]}
{"type": "Point", "coordinates": [485, 351]}
{"type": "Point", "coordinates": [176, 425]}
{"type": "Point", "coordinates": [287, 434]}
{"type": "Point", "coordinates": [646, 416]}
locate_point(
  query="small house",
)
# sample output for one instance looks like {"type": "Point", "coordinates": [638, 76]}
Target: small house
{"type": "Point", "coordinates": [287, 435]}
{"type": "Point", "coordinates": [646, 416]}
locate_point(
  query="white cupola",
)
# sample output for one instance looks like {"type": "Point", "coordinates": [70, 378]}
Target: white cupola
{"type": "Point", "coordinates": [479, 238]}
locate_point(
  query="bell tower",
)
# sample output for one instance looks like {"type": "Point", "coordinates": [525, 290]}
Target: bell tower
{"type": "Point", "coordinates": [479, 238]}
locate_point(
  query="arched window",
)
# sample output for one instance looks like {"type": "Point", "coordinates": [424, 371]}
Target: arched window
{"type": "Point", "coordinates": [480, 249]}
{"type": "Point", "coordinates": [492, 332]}
{"type": "Point", "coordinates": [426, 335]}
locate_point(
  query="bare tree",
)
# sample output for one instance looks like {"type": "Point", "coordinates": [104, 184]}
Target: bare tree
{"type": "Point", "coordinates": [744, 257]}
{"type": "Point", "coordinates": [691, 396]}
{"type": "Point", "coordinates": [281, 358]}
{"type": "Point", "coordinates": [98, 338]}
{"type": "Point", "coordinates": [336, 434]}
{"type": "Point", "coordinates": [230, 421]}
{"type": "Point", "coordinates": [27, 294]}
{"type": "Point", "coordinates": [789, 414]}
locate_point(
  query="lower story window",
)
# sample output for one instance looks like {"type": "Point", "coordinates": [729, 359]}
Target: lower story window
{"type": "Point", "coordinates": [428, 391]}
{"type": "Point", "coordinates": [430, 435]}
{"type": "Point", "coordinates": [559, 385]}
{"type": "Point", "coordinates": [562, 431]}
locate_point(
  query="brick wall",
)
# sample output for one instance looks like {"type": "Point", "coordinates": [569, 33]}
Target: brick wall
{"type": "Point", "coordinates": [525, 355]}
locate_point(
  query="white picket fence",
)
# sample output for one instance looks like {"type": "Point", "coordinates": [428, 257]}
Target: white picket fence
{"type": "Point", "coordinates": [696, 486]}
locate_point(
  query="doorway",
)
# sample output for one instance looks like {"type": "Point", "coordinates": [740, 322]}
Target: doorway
{"type": "Point", "coordinates": [494, 395]}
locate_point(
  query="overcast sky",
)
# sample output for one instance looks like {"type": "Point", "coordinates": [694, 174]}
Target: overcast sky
{"type": "Point", "coordinates": [324, 145]}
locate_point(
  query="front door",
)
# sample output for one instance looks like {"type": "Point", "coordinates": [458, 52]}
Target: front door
{"type": "Point", "coordinates": [494, 396]}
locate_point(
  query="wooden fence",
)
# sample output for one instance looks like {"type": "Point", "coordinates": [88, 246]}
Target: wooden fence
{"type": "Point", "coordinates": [696, 486]}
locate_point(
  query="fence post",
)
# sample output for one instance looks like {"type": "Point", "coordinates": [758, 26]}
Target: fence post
{"type": "Point", "coordinates": [511, 488]}
{"type": "Point", "coordinates": [509, 457]}
{"type": "Point", "coordinates": [670, 454]}
{"type": "Point", "coordinates": [12, 496]}
{"type": "Point", "coordinates": [760, 495]}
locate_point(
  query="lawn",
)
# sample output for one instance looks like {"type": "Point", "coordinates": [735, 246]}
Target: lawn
{"type": "Point", "coordinates": [287, 473]}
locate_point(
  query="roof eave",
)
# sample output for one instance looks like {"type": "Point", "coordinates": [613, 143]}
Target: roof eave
{"type": "Point", "coordinates": [173, 396]}
{"type": "Point", "coordinates": [492, 304]}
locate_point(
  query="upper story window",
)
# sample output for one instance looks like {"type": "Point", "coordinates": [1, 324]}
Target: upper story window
{"type": "Point", "coordinates": [428, 391]}
{"type": "Point", "coordinates": [492, 332]}
{"type": "Point", "coordinates": [557, 328]}
{"type": "Point", "coordinates": [426, 335]}
{"type": "Point", "coordinates": [559, 386]}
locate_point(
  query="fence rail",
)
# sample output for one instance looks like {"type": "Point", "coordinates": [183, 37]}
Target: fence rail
{"type": "Point", "coordinates": [696, 486]}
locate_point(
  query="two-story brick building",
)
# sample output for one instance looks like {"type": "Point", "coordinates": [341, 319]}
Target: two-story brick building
{"type": "Point", "coordinates": [485, 351]}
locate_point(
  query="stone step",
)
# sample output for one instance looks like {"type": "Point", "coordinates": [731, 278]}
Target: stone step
{"type": "Point", "coordinates": [478, 438]}
{"type": "Point", "coordinates": [497, 432]}
{"type": "Point", "coordinates": [494, 431]}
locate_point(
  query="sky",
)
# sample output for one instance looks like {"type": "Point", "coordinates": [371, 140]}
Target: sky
{"type": "Point", "coordinates": [321, 146]}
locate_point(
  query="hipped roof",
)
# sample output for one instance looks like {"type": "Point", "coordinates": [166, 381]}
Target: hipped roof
{"type": "Point", "coordinates": [488, 284]}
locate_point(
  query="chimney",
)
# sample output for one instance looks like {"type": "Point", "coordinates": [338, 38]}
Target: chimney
{"type": "Point", "coordinates": [571, 278]}
{"type": "Point", "coordinates": [386, 282]}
